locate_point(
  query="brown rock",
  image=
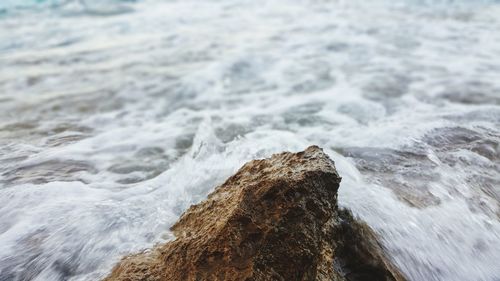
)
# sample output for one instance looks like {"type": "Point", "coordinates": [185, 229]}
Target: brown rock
{"type": "Point", "coordinates": [275, 219]}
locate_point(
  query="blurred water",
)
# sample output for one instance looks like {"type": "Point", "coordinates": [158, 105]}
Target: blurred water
{"type": "Point", "coordinates": [116, 116]}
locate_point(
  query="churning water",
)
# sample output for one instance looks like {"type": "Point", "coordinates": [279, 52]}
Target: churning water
{"type": "Point", "coordinates": [115, 116]}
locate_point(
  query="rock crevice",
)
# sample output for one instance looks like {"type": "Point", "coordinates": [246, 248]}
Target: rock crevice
{"type": "Point", "coordinates": [275, 219]}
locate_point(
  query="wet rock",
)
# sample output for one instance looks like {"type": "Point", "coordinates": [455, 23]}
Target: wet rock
{"type": "Point", "coordinates": [275, 219]}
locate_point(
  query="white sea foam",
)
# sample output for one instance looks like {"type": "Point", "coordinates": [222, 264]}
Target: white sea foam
{"type": "Point", "coordinates": [111, 126]}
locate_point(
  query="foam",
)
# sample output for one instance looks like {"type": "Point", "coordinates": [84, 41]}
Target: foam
{"type": "Point", "coordinates": [161, 104]}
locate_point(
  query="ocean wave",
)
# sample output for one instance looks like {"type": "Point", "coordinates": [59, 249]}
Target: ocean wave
{"type": "Point", "coordinates": [110, 127]}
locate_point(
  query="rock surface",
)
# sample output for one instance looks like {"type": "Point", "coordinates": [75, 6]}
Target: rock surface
{"type": "Point", "coordinates": [275, 219]}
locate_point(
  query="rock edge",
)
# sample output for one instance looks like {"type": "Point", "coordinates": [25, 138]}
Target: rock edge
{"type": "Point", "coordinates": [275, 219]}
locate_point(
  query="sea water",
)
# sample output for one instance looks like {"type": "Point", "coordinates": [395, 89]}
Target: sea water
{"type": "Point", "coordinates": [116, 116]}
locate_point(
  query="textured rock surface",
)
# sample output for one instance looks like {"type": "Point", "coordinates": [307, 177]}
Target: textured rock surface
{"type": "Point", "coordinates": [275, 219]}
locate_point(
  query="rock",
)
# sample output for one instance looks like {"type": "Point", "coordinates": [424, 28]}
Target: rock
{"type": "Point", "coordinates": [275, 219]}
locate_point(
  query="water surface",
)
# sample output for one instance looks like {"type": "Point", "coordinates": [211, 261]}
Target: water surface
{"type": "Point", "coordinates": [115, 116]}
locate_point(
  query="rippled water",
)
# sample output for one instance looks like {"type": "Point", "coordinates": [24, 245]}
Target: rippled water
{"type": "Point", "coordinates": [116, 116]}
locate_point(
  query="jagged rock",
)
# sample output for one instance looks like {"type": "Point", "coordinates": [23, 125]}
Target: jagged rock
{"type": "Point", "coordinates": [275, 219]}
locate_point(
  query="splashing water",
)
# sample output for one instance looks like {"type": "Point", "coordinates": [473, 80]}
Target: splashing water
{"type": "Point", "coordinates": [111, 126]}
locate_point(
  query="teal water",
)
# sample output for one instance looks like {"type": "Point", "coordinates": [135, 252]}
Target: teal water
{"type": "Point", "coordinates": [9, 5]}
{"type": "Point", "coordinates": [16, 6]}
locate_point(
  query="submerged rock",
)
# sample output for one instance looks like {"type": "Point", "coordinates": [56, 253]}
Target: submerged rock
{"type": "Point", "coordinates": [275, 219]}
